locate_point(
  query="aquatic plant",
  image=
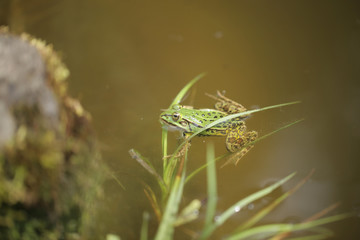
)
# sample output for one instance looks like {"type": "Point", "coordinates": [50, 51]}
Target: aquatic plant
{"type": "Point", "coordinates": [175, 175]}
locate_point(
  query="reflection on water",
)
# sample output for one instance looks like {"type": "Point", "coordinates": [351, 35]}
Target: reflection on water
{"type": "Point", "coordinates": [128, 59]}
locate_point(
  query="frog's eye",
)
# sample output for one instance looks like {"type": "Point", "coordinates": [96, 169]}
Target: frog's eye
{"type": "Point", "coordinates": [176, 116]}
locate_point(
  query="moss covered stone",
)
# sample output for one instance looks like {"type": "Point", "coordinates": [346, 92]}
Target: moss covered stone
{"type": "Point", "coordinates": [50, 168]}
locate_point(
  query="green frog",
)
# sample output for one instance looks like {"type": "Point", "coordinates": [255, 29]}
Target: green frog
{"type": "Point", "coordinates": [189, 120]}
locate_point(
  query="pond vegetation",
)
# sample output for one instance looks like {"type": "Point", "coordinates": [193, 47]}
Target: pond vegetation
{"type": "Point", "coordinates": [175, 176]}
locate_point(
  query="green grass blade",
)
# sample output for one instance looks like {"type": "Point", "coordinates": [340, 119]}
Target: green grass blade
{"type": "Point", "coordinates": [185, 89]}
{"type": "Point", "coordinates": [313, 237]}
{"type": "Point", "coordinates": [112, 237]}
{"type": "Point", "coordinates": [277, 130]}
{"type": "Point", "coordinates": [272, 229]}
{"type": "Point", "coordinates": [264, 231]}
{"type": "Point", "coordinates": [265, 211]}
{"type": "Point", "coordinates": [211, 185]}
{"type": "Point", "coordinates": [173, 164]}
{"type": "Point", "coordinates": [321, 233]}
{"type": "Point", "coordinates": [166, 228]}
{"type": "Point", "coordinates": [223, 119]}
{"type": "Point", "coordinates": [164, 138]}
{"type": "Point", "coordinates": [231, 117]}
{"type": "Point", "coordinates": [193, 174]}
{"type": "Point", "coordinates": [164, 134]}
{"type": "Point", "coordinates": [170, 171]}
{"type": "Point", "coordinates": [145, 163]}
{"type": "Point", "coordinates": [317, 215]}
{"type": "Point", "coordinates": [242, 203]}
{"type": "Point", "coordinates": [255, 219]}
{"type": "Point", "coordinates": [145, 226]}
{"type": "Point", "coordinates": [230, 160]}
{"type": "Point", "coordinates": [253, 197]}
{"type": "Point", "coordinates": [116, 179]}
{"type": "Point", "coordinates": [189, 213]}
{"type": "Point", "coordinates": [164, 144]}
{"type": "Point", "coordinates": [149, 193]}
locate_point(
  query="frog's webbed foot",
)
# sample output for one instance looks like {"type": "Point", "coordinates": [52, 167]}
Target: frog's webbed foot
{"type": "Point", "coordinates": [239, 142]}
{"type": "Point", "coordinates": [225, 104]}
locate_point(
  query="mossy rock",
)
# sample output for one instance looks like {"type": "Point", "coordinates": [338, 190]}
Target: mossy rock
{"type": "Point", "coordinates": [50, 166]}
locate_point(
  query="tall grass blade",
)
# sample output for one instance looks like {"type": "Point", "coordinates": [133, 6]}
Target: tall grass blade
{"type": "Point", "coordinates": [164, 134]}
{"type": "Point", "coordinates": [196, 171]}
{"type": "Point", "coordinates": [235, 161]}
{"type": "Point", "coordinates": [272, 229]}
{"type": "Point", "coordinates": [112, 237]}
{"type": "Point", "coordinates": [173, 164]}
{"type": "Point", "coordinates": [166, 228]}
{"type": "Point", "coordinates": [320, 233]}
{"type": "Point", "coordinates": [240, 204]}
{"type": "Point", "coordinates": [193, 174]}
{"type": "Point", "coordinates": [312, 218]}
{"type": "Point", "coordinates": [253, 197]}
{"type": "Point", "coordinates": [223, 119]}
{"type": "Point", "coordinates": [144, 226]}
{"type": "Point", "coordinates": [164, 141]}
{"type": "Point", "coordinates": [167, 224]}
{"type": "Point", "coordinates": [277, 130]}
{"type": "Point", "coordinates": [265, 211]}
{"type": "Point", "coordinates": [148, 166]}
{"type": "Point", "coordinates": [170, 171]}
{"type": "Point", "coordinates": [186, 88]}
{"type": "Point", "coordinates": [149, 193]}
{"type": "Point", "coordinates": [313, 237]}
{"type": "Point", "coordinates": [211, 185]}
{"type": "Point", "coordinates": [189, 213]}
{"type": "Point", "coordinates": [116, 179]}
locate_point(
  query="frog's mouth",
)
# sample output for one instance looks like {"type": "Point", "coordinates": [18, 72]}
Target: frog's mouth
{"type": "Point", "coordinates": [170, 126]}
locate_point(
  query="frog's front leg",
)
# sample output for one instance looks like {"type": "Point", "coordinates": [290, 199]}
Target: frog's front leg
{"type": "Point", "coordinates": [239, 140]}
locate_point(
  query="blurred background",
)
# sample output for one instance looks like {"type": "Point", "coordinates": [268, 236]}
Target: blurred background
{"type": "Point", "coordinates": [129, 59]}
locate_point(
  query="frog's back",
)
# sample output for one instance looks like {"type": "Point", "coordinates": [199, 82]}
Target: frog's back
{"type": "Point", "coordinates": [207, 116]}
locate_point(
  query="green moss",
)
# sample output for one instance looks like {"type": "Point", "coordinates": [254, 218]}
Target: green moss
{"type": "Point", "coordinates": [49, 172]}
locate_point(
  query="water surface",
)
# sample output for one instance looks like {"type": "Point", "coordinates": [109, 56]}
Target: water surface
{"type": "Point", "coordinates": [128, 59]}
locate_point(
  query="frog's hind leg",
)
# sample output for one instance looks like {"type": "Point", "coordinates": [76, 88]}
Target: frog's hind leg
{"type": "Point", "coordinates": [225, 104]}
{"type": "Point", "coordinates": [239, 141]}
{"type": "Point", "coordinates": [238, 137]}
{"type": "Point", "coordinates": [187, 107]}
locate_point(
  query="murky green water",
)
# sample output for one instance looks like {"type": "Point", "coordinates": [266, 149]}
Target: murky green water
{"type": "Point", "coordinates": [128, 59]}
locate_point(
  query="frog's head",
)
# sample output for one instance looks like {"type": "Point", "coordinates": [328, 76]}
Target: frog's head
{"type": "Point", "coordinates": [174, 119]}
